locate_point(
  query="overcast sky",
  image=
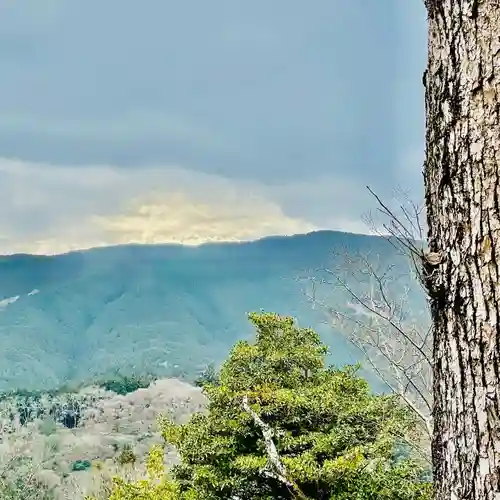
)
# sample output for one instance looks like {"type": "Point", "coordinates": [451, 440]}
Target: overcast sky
{"type": "Point", "coordinates": [155, 121]}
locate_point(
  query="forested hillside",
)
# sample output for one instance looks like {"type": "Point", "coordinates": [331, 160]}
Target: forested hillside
{"type": "Point", "coordinates": [168, 310]}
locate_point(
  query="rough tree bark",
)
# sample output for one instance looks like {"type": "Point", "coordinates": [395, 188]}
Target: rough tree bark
{"type": "Point", "coordinates": [462, 183]}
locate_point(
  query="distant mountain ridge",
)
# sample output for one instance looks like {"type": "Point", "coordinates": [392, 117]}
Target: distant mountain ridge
{"type": "Point", "coordinates": [165, 309]}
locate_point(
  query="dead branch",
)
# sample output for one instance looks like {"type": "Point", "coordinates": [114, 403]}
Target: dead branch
{"type": "Point", "coordinates": [275, 468]}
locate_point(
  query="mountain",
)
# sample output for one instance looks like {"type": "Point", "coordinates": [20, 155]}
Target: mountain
{"type": "Point", "coordinates": [162, 309]}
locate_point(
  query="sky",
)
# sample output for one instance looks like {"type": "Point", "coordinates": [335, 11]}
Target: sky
{"type": "Point", "coordinates": [166, 121]}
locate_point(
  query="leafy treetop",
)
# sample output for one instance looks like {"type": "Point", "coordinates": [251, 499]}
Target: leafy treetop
{"type": "Point", "coordinates": [334, 438]}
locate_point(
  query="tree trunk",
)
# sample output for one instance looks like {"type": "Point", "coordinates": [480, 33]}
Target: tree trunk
{"type": "Point", "coordinates": [462, 183]}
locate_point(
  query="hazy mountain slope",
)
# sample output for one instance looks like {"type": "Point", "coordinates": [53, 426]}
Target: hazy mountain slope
{"type": "Point", "coordinates": [163, 309]}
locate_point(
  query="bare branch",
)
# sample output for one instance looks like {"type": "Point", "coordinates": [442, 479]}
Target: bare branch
{"type": "Point", "coordinates": [276, 468]}
{"type": "Point", "coordinates": [394, 340]}
{"type": "Point", "coordinates": [369, 306]}
{"type": "Point", "coordinates": [382, 330]}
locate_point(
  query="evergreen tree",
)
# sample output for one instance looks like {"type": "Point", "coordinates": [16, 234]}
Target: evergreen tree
{"type": "Point", "coordinates": [333, 439]}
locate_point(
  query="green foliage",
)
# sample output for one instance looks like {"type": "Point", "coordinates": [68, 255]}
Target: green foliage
{"type": "Point", "coordinates": [166, 309]}
{"type": "Point", "coordinates": [336, 439]}
{"type": "Point", "coordinates": [124, 384]}
{"type": "Point", "coordinates": [79, 465]}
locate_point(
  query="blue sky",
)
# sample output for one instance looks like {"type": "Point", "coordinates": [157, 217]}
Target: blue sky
{"type": "Point", "coordinates": [188, 121]}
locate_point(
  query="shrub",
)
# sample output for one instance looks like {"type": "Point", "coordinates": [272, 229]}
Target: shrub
{"type": "Point", "coordinates": [79, 465]}
{"type": "Point", "coordinates": [127, 455]}
{"type": "Point", "coordinates": [47, 426]}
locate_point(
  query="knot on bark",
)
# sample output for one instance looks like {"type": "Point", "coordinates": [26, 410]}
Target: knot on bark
{"type": "Point", "coordinates": [430, 263]}
{"type": "Point", "coordinates": [432, 259]}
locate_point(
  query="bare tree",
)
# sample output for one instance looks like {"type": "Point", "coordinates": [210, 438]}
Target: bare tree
{"type": "Point", "coordinates": [396, 345]}
{"type": "Point", "coordinates": [367, 300]}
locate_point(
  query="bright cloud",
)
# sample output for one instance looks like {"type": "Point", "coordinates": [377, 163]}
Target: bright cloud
{"type": "Point", "coordinates": [49, 209]}
{"type": "Point", "coordinates": [56, 209]}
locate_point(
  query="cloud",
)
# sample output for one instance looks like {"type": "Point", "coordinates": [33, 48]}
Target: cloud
{"type": "Point", "coordinates": [259, 90]}
{"type": "Point", "coordinates": [246, 120]}
{"type": "Point", "coordinates": [53, 209]}
{"type": "Point", "coordinates": [49, 209]}
{"type": "Point", "coordinates": [177, 218]}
